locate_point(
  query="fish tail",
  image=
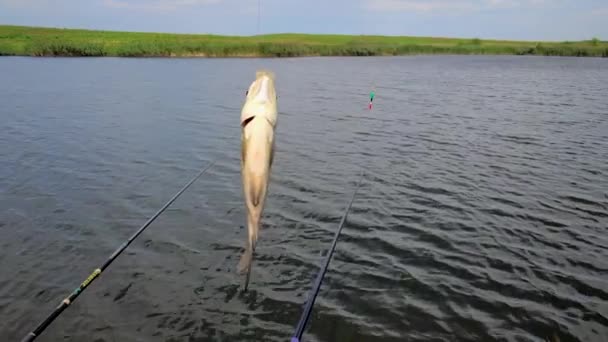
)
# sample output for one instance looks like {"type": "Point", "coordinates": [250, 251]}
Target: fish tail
{"type": "Point", "coordinates": [245, 264]}
{"type": "Point", "coordinates": [247, 257]}
{"type": "Point", "coordinates": [247, 277]}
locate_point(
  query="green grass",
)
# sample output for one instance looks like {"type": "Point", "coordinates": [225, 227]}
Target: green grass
{"type": "Point", "coordinates": [37, 41]}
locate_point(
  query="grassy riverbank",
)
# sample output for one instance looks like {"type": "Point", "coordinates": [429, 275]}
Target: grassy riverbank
{"type": "Point", "coordinates": [37, 41]}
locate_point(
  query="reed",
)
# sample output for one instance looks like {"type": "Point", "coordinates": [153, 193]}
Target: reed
{"type": "Point", "coordinates": [38, 41]}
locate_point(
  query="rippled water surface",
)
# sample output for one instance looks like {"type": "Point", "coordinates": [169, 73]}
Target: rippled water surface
{"type": "Point", "coordinates": [482, 216]}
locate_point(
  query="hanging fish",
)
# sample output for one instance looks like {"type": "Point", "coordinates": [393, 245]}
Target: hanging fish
{"type": "Point", "coordinates": [258, 121]}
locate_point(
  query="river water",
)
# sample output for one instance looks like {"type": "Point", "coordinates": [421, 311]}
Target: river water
{"type": "Point", "coordinates": [482, 215]}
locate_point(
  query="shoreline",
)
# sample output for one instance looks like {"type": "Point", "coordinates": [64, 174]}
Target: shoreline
{"type": "Point", "coordinates": [298, 57]}
{"type": "Point", "coordinates": [55, 42]}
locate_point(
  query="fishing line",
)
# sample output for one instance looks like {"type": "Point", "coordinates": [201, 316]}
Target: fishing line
{"type": "Point", "coordinates": [70, 299]}
{"type": "Point", "coordinates": [315, 290]}
{"type": "Point", "coordinates": [317, 286]}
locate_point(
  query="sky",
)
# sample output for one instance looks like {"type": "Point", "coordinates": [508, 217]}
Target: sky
{"type": "Point", "coordinates": [554, 20]}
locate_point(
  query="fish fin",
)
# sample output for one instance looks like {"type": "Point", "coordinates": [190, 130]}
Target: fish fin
{"type": "Point", "coordinates": [271, 156]}
{"type": "Point", "coordinates": [246, 121]}
{"type": "Point", "coordinates": [256, 190]}
{"type": "Point", "coordinates": [255, 196]}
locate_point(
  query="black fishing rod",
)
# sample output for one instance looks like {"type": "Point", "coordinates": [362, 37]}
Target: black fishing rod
{"type": "Point", "coordinates": [70, 299]}
{"type": "Point", "coordinates": [315, 290]}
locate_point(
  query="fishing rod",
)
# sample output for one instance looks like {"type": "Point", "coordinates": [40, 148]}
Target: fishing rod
{"type": "Point", "coordinates": [70, 299]}
{"type": "Point", "coordinates": [317, 286]}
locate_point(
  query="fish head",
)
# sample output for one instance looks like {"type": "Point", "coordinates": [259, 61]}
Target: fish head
{"type": "Point", "coordinates": [261, 99]}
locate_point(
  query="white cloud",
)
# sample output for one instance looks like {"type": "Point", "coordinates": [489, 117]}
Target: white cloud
{"type": "Point", "coordinates": [449, 5]}
{"type": "Point", "coordinates": [156, 5]}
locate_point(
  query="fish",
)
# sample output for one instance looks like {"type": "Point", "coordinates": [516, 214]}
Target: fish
{"type": "Point", "coordinates": [258, 123]}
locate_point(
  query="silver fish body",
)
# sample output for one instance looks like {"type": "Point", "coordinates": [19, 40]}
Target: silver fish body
{"type": "Point", "coordinates": [258, 122]}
